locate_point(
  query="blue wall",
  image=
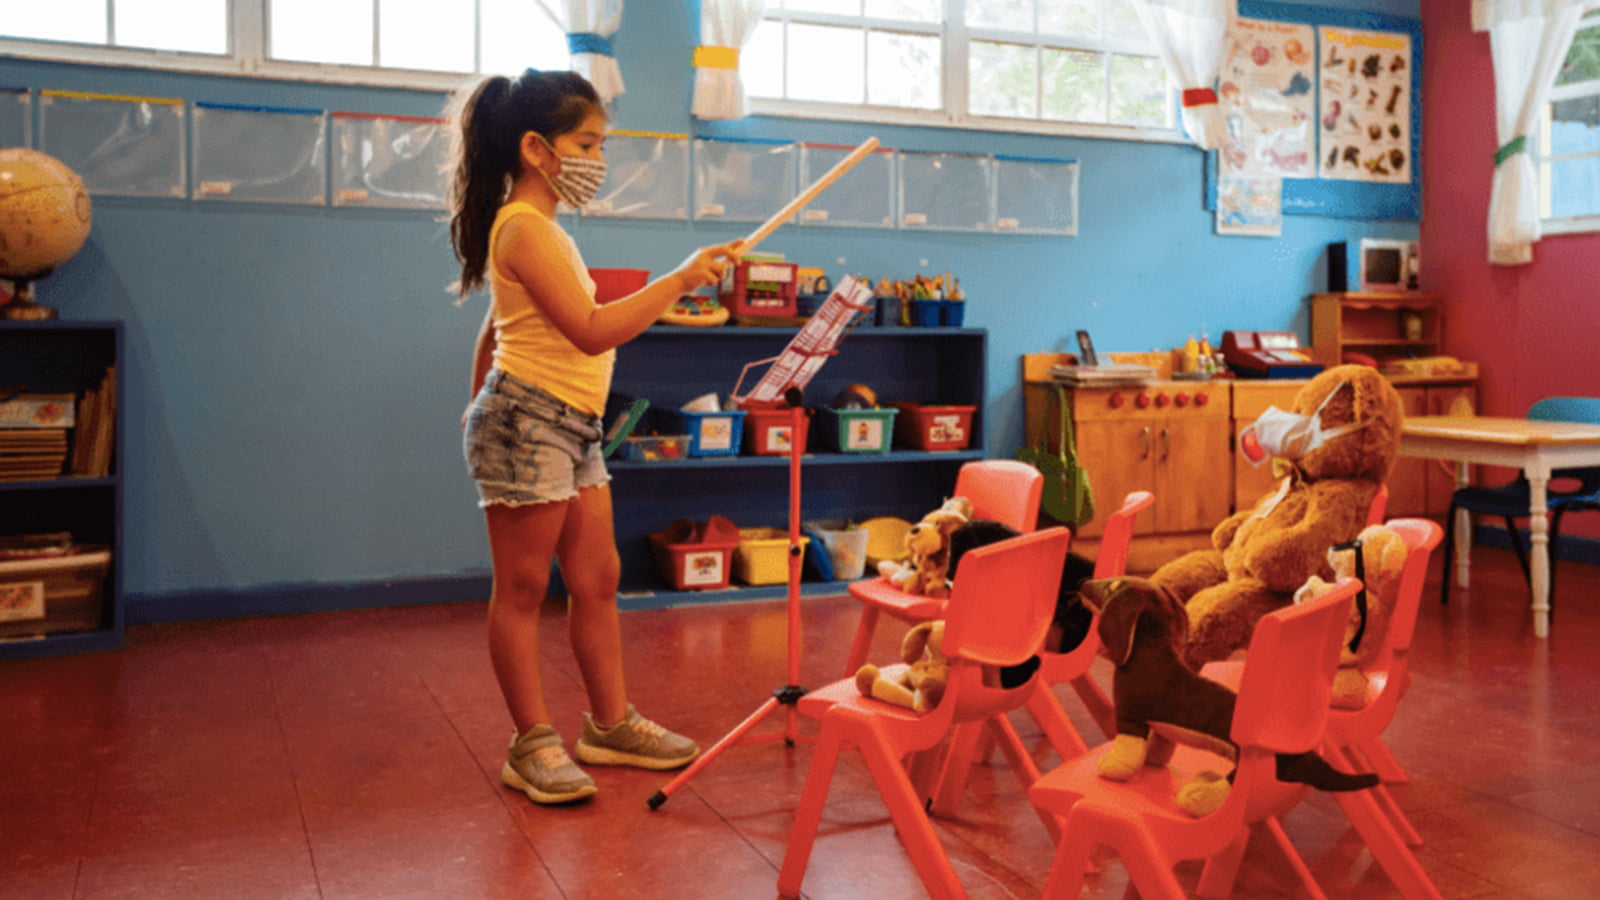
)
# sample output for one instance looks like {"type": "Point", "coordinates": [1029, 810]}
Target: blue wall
{"type": "Point", "coordinates": [295, 376]}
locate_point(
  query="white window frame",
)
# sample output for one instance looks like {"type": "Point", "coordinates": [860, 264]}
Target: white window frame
{"type": "Point", "coordinates": [247, 56]}
{"type": "Point", "coordinates": [1543, 160]}
{"type": "Point", "coordinates": [957, 36]}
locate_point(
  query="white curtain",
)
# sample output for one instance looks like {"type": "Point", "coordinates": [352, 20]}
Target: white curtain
{"type": "Point", "coordinates": [725, 27]}
{"type": "Point", "coordinates": [590, 25]}
{"type": "Point", "coordinates": [1527, 40]}
{"type": "Point", "coordinates": [1192, 37]}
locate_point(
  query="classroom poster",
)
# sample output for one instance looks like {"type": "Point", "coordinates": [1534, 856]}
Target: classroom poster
{"type": "Point", "coordinates": [1249, 205]}
{"type": "Point", "coordinates": [1364, 130]}
{"type": "Point", "coordinates": [1267, 94]}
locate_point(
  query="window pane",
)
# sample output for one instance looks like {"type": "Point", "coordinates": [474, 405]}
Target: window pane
{"type": "Point", "coordinates": [927, 11]}
{"type": "Point", "coordinates": [826, 63]}
{"type": "Point", "coordinates": [436, 35]}
{"type": "Point", "coordinates": [903, 70]}
{"type": "Point", "coordinates": [1583, 58]}
{"type": "Point", "coordinates": [1002, 80]}
{"type": "Point", "coordinates": [1072, 18]}
{"type": "Point", "coordinates": [1575, 125]}
{"type": "Point", "coordinates": [1138, 90]}
{"type": "Point", "coordinates": [1074, 86]}
{"type": "Point", "coordinates": [516, 34]}
{"type": "Point", "coordinates": [1575, 188]}
{"type": "Point", "coordinates": [325, 31]}
{"type": "Point", "coordinates": [836, 7]}
{"type": "Point", "coordinates": [80, 21]}
{"type": "Point", "coordinates": [1122, 22]}
{"type": "Point", "coordinates": [761, 61]}
{"type": "Point", "coordinates": [1013, 15]}
{"type": "Point", "coordinates": [193, 26]}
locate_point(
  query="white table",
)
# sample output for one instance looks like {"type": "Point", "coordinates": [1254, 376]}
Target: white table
{"type": "Point", "coordinates": [1535, 447]}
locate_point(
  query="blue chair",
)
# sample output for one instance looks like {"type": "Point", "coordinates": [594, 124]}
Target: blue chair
{"type": "Point", "coordinates": [1510, 501]}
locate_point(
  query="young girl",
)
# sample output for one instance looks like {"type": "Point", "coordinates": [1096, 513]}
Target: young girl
{"type": "Point", "coordinates": [540, 374]}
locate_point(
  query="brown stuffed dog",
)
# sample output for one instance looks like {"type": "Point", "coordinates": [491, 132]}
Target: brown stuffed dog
{"type": "Point", "coordinates": [1261, 556]}
{"type": "Point", "coordinates": [1159, 700]}
{"type": "Point", "coordinates": [925, 568]}
{"type": "Point", "coordinates": [919, 684]}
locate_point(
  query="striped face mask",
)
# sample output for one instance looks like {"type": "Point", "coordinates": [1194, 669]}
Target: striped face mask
{"type": "Point", "coordinates": [579, 180]}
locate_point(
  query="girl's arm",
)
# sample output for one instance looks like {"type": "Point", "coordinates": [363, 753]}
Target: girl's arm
{"type": "Point", "coordinates": [534, 255]}
{"type": "Point", "coordinates": [482, 352]}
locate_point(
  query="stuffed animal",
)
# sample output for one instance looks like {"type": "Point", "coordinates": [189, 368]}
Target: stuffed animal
{"type": "Point", "coordinates": [1383, 559]}
{"type": "Point", "coordinates": [1160, 700]}
{"type": "Point", "coordinates": [1335, 449]}
{"type": "Point", "coordinates": [925, 568]}
{"type": "Point", "coordinates": [919, 684]}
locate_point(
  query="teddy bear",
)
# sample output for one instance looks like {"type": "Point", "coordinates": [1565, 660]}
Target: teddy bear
{"type": "Point", "coordinates": [925, 568]}
{"type": "Point", "coordinates": [1383, 559]}
{"type": "Point", "coordinates": [1335, 447]}
{"type": "Point", "coordinates": [1161, 701]}
{"type": "Point", "coordinates": [919, 684]}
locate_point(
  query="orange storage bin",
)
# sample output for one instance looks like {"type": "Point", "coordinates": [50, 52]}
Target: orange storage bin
{"type": "Point", "coordinates": [933, 427]}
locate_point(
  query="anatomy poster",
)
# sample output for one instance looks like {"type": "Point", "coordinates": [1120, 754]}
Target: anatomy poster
{"type": "Point", "coordinates": [1365, 123]}
{"type": "Point", "coordinates": [1266, 91]}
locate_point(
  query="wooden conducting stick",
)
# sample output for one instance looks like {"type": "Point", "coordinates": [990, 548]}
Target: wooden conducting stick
{"type": "Point", "coordinates": [809, 194]}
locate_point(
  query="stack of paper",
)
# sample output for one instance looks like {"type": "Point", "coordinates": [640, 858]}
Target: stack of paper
{"type": "Point", "coordinates": [1109, 374]}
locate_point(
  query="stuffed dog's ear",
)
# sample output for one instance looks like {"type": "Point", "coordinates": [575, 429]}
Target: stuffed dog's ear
{"type": "Point", "coordinates": [1117, 606]}
{"type": "Point", "coordinates": [915, 642]}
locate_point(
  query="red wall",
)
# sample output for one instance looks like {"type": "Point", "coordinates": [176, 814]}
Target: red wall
{"type": "Point", "coordinates": [1535, 329]}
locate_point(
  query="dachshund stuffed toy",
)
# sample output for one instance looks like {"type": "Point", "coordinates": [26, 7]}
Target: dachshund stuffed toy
{"type": "Point", "coordinates": [1159, 699]}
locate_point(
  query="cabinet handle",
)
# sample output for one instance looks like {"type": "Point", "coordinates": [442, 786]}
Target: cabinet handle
{"type": "Point", "coordinates": [1166, 443]}
{"type": "Point", "coordinates": [1147, 448]}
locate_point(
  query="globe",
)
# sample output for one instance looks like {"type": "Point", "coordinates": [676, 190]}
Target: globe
{"type": "Point", "coordinates": [44, 214]}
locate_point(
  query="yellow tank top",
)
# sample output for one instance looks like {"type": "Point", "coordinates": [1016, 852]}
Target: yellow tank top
{"type": "Point", "coordinates": [528, 345]}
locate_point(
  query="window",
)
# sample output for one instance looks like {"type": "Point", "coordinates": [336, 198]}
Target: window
{"type": "Point", "coordinates": [1568, 145]}
{"type": "Point", "coordinates": [398, 42]}
{"type": "Point", "coordinates": [1066, 66]}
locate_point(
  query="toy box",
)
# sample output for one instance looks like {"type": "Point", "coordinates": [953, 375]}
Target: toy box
{"type": "Point", "coordinates": [760, 289]}
{"type": "Point", "coordinates": [763, 555]}
{"type": "Point", "coordinates": [50, 594]}
{"type": "Point", "coordinates": [766, 432]}
{"type": "Point", "coordinates": [710, 433]}
{"type": "Point", "coordinates": [844, 546]}
{"type": "Point", "coordinates": [857, 430]}
{"type": "Point", "coordinates": [934, 427]}
{"type": "Point", "coordinates": [693, 557]}
{"type": "Point", "coordinates": [654, 447]}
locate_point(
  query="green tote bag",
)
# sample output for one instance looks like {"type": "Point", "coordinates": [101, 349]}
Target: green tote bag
{"type": "Point", "coordinates": [1066, 496]}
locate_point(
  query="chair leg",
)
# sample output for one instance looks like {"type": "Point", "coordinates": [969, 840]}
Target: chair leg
{"type": "Point", "coordinates": [1052, 719]}
{"type": "Point", "coordinates": [1449, 556]}
{"type": "Point", "coordinates": [862, 645]}
{"type": "Point", "coordinates": [958, 763]}
{"type": "Point", "coordinates": [1221, 871]}
{"type": "Point", "coordinates": [1022, 764]}
{"type": "Point", "coordinates": [1553, 550]}
{"type": "Point", "coordinates": [1348, 759]}
{"type": "Point", "coordinates": [803, 834]}
{"type": "Point", "coordinates": [1386, 845]}
{"type": "Point", "coordinates": [1522, 552]}
{"type": "Point", "coordinates": [1296, 861]}
{"type": "Point", "coordinates": [911, 821]}
{"type": "Point", "coordinates": [1382, 761]}
{"type": "Point", "coordinates": [1098, 704]}
{"type": "Point", "coordinates": [1074, 857]}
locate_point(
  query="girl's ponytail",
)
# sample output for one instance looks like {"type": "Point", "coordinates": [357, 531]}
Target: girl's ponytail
{"type": "Point", "coordinates": [482, 172]}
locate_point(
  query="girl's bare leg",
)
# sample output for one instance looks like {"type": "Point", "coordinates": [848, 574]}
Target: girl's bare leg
{"type": "Point", "coordinates": [591, 570]}
{"type": "Point", "coordinates": [522, 541]}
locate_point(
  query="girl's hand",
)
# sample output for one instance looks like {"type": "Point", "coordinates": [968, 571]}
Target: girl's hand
{"type": "Point", "coordinates": [706, 265]}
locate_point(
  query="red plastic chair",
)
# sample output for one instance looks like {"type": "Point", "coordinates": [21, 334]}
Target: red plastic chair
{"type": "Point", "coordinates": [1004, 490]}
{"type": "Point", "coordinates": [998, 614]}
{"type": "Point", "coordinates": [1071, 667]}
{"type": "Point", "coordinates": [1282, 708]}
{"type": "Point", "coordinates": [1379, 507]}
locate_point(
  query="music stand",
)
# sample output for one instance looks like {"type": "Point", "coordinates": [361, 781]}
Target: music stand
{"type": "Point", "coordinates": [784, 384]}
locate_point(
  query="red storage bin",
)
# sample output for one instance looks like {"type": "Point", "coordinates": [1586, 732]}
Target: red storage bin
{"type": "Point", "coordinates": [753, 289]}
{"type": "Point", "coordinates": [933, 427]}
{"type": "Point", "coordinates": [695, 557]}
{"type": "Point", "coordinates": [614, 284]}
{"type": "Point", "coordinates": [766, 431]}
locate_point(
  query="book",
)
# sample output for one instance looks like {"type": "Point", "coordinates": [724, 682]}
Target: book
{"type": "Point", "coordinates": [36, 410]}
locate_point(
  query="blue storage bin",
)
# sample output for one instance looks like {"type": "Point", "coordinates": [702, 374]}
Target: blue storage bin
{"type": "Point", "coordinates": [926, 313]}
{"type": "Point", "coordinates": [953, 313]}
{"type": "Point", "coordinates": [710, 433]}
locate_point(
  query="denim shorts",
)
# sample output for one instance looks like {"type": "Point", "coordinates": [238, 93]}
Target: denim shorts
{"type": "Point", "coordinates": [525, 446]}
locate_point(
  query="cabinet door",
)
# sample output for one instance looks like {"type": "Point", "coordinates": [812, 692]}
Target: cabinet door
{"type": "Point", "coordinates": [1408, 480]}
{"type": "Point", "coordinates": [1120, 458]}
{"type": "Point", "coordinates": [1194, 489]}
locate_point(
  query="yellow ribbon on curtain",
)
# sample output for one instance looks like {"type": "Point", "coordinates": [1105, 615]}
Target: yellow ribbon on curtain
{"type": "Point", "coordinates": [711, 57]}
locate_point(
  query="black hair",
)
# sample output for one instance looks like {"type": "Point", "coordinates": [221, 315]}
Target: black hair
{"type": "Point", "coordinates": [490, 119]}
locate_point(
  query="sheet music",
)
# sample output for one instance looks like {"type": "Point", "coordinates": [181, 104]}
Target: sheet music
{"type": "Point", "coordinates": [810, 348]}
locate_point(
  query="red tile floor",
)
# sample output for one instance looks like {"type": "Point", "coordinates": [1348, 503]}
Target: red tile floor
{"type": "Point", "coordinates": [357, 754]}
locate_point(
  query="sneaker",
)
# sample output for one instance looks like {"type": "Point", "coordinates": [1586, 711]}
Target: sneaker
{"type": "Point", "coordinates": [537, 765]}
{"type": "Point", "coordinates": [635, 741]}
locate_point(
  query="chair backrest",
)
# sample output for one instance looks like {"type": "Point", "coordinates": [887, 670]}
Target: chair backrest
{"type": "Point", "coordinates": [1421, 536]}
{"type": "Point", "coordinates": [1004, 490]}
{"type": "Point", "coordinates": [1379, 507]}
{"type": "Point", "coordinates": [1115, 541]}
{"type": "Point", "coordinates": [1287, 682]}
{"type": "Point", "coordinates": [1003, 598]}
{"type": "Point", "coordinates": [1572, 409]}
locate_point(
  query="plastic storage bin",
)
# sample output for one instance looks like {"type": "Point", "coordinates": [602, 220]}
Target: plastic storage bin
{"type": "Point", "coordinates": [766, 432]}
{"type": "Point", "coordinates": [926, 313]}
{"type": "Point", "coordinates": [953, 313]}
{"type": "Point", "coordinates": [857, 430]}
{"type": "Point", "coordinates": [934, 427]}
{"type": "Point", "coordinates": [763, 555]}
{"type": "Point", "coordinates": [654, 447]}
{"type": "Point", "coordinates": [694, 557]}
{"type": "Point", "coordinates": [756, 289]}
{"type": "Point", "coordinates": [845, 547]}
{"type": "Point", "coordinates": [51, 594]}
{"type": "Point", "coordinates": [710, 433]}
{"type": "Point", "coordinates": [614, 284]}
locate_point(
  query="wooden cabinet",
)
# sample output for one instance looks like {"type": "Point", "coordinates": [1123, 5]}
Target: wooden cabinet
{"type": "Point", "coordinates": [1251, 397]}
{"type": "Point", "coordinates": [1422, 487]}
{"type": "Point", "coordinates": [82, 604]}
{"type": "Point", "coordinates": [1382, 326]}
